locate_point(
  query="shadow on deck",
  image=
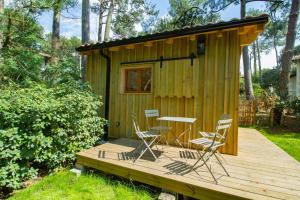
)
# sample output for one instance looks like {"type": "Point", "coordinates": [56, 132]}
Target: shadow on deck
{"type": "Point", "coordinates": [260, 171]}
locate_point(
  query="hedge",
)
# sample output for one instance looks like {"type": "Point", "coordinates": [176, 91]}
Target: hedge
{"type": "Point", "coordinates": [43, 128]}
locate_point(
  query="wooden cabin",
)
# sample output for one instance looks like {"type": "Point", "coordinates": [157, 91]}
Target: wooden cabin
{"type": "Point", "coordinates": [189, 72]}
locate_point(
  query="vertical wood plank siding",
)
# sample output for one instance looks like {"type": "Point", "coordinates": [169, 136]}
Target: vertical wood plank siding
{"type": "Point", "coordinates": [205, 90]}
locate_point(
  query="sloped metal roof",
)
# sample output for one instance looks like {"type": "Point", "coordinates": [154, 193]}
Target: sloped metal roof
{"type": "Point", "coordinates": [176, 32]}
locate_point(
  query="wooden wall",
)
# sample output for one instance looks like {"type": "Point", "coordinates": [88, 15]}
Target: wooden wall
{"type": "Point", "coordinates": [205, 90]}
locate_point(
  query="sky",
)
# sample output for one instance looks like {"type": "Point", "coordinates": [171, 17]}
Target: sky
{"type": "Point", "coordinates": [72, 27]}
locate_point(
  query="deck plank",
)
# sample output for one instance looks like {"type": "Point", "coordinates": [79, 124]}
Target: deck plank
{"type": "Point", "coordinates": [260, 171]}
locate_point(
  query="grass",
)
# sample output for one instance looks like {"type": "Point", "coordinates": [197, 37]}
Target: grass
{"type": "Point", "coordinates": [66, 185]}
{"type": "Point", "coordinates": [288, 141]}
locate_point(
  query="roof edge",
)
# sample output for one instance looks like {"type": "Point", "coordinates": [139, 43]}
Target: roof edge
{"type": "Point", "coordinates": [176, 33]}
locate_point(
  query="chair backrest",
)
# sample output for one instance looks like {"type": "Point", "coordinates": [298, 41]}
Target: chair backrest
{"type": "Point", "coordinates": [151, 113]}
{"type": "Point", "coordinates": [223, 126]}
{"type": "Point", "coordinates": [136, 125]}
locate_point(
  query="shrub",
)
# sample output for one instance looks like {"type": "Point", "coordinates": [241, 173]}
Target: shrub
{"type": "Point", "coordinates": [257, 90]}
{"type": "Point", "coordinates": [43, 128]}
{"type": "Point", "coordinates": [295, 105]}
{"type": "Point", "coordinates": [270, 78]}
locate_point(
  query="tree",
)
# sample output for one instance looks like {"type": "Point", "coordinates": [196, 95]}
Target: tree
{"type": "Point", "coordinates": [1, 6]}
{"type": "Point", "coordinates": [100, 8]}
{"type": "Point", "coordinates": [246, 63]}
{"type": "Point", "coordinates": [270, 79]}
{"type": "Point", "coordinates": [186, 13]}
{"type": "Point", "coordinates": [296, 50]}
{"type": "Point", "coordinates": [57, 8]}
{"type": "Point", "coordinates": [274, 35]}
{"type": "Point", "coordinates": [254, 58]}
{"type": "Point", "coordinates": [122, 16]}
{"type": "Point", "coordinates": [21, 48]}
{"type": "Point", "coordinates": [1, 19]}
{"type": "Point", "coordinates": [108, 20]}
{"type": "Point", "coordinates": [85, 33]}
{"type": "Point", "coordinates": [256, 47]}
{"type": "Point", "coordinates": [259, 58]}
{"type": "Point", "coordinates": [287, 54]}
{"type": "Point", "coordinates": [221, 5]}
{"type": "Point", "coordinates": [68, 67]}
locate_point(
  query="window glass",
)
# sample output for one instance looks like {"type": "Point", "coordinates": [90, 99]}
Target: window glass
{"type": "Point", "coordinates": [146, 80]}
{"type": "Point", "coordinates": [131, 80]}
{"type": "Point", "coordinates": [138, 80]}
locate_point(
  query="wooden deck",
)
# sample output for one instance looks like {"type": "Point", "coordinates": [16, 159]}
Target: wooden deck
{"type": "Point", "coordinates": [260, 171]}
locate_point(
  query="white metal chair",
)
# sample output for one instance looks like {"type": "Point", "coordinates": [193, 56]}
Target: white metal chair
{"type": "Point", "coordinates": [148, 138]}
{"type": "Point", "coordinates": [154, 113]}
{"type": "Point", "coordinates": [211, 135]}
{"type": "Point", "coordinates": [208, 147]}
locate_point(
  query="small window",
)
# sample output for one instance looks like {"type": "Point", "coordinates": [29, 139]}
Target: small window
{"type": "Point", "coordinates": [137, 80]}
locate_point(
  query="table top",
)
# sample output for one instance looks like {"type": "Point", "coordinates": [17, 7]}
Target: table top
{"type": "Point", "coordinates": [177, 119]}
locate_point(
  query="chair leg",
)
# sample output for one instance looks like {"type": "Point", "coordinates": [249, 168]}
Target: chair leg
{"type": "Point", "coordinates": [140, 145]}
{"type": "Point", "coordinates": [210, 171]}
{"type": "Point", "coordinates": [199, 159]}
{"type": "Point", "coordinates": [148, 147]}
{"type": "Point", "coordinates": [220, 156]}
{"type": "Point", "coordinates": [221, 164]}
{"type": "Point", "coordinates": [204, 163]}
{"type": "Point", "coordinates": [167, 143]}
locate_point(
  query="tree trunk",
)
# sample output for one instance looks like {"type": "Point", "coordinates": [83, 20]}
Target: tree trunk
{"type": "Point", "coordinates": [259, 60]}
{"type": "Point", "coordinates": [250, 59]}
{"type": "Point", "coordinates": [1, 21]}
{"type": "Point", "coordinates": [274, 32]}
{"type": "Point", "coordinates": [276, 51]}
{"type": "Point", "coordinates": [1, 6]}
{"type": "Point", "coordinates": [7, 33]}
{"type": "Point", "coordinates": [286, 57]}
{"type": "Point", "coordinates": [56, 30]}
{"type": "Point", "coordinates": [100, 21]}
{"type": "Point", "coordinates": [254, 59]}
{"type": "Point", "coordinates": [85, 34]}
{"type": "Point", "coordinates": [108, 21]}
{"type": "Point", "coordinates": [246, 63]}
{"type": "Point", "coordinates": [85, 20]}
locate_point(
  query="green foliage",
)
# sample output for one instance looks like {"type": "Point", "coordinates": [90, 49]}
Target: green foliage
{"type": "Point", "coordinates": [65, 185]}
{"type": "Point", "coordinates": [297, 50]}
{"type": "Point", "coordinates": [257, 90]}
{"type": "Point", "coordinates": [44, 127]}
{"type": "Point", "coordinates": [12, 170]}
{"type": "Point", "coordinates": [295, 105]}
{"type": "Point", "coordinates": [20, 58]}
{"type": "Point", "coordinates": [38, 6]}
{"type": "Point", "coordinates": [67, 68]}
{"type": "Point", "coordinates": [281, 105]}
{"type": "Point", "coordinates": [288, 141]}
{"type": "Point", "coordinates": [186, 13]}
{"type": "Point", "coordinates": [270, 77]}
{"type": "Point", "coordinates": [129, 14]}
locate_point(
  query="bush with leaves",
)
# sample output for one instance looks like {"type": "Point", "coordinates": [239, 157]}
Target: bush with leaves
{"type": "Point", "coordinates": [270, 78]}
{"type": "Point", "coordinates": [43, 128]}
{"type": "Point", "coordinates": [294, 104]}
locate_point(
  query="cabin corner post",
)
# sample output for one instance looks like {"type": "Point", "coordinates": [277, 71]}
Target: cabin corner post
{"type": "Point", "coordinates": [107, 91]}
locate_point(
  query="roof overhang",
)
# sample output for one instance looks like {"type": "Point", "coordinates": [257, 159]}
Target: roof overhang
{"type": "Point", "coordinates": [259, 21]}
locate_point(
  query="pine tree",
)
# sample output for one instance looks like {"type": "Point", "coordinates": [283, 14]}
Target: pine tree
{"type": "Point", "coordinates": [286, 58]}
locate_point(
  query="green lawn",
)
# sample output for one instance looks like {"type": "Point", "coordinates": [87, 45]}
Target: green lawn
{"type": "Point", "coordinates": [66, 185]}
{"type": "Point", "coordinates": [288, 141]}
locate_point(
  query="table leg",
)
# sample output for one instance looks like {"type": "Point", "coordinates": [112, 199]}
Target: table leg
{"type": "Point", "coordinates": [190, 129]}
